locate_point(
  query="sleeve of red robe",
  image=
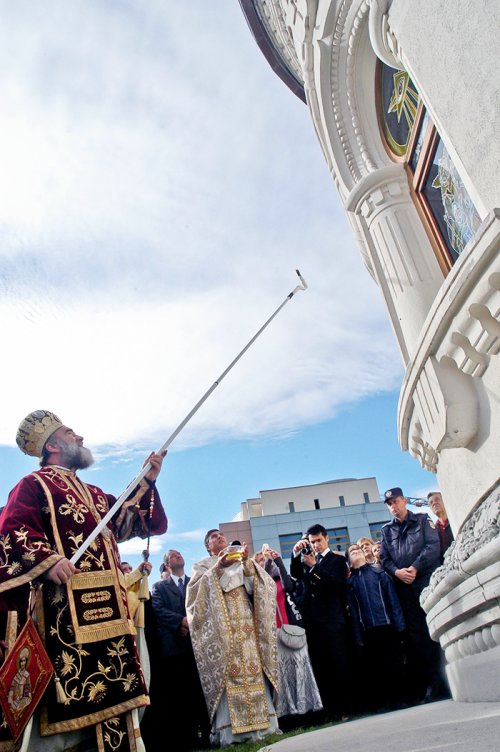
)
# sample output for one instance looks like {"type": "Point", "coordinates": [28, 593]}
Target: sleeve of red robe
{"type": "Point", "coordinates": [26, 546]}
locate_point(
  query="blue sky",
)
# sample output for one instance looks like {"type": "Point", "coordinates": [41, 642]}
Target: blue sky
{"type": "Point", "coordinates": [159, 186]}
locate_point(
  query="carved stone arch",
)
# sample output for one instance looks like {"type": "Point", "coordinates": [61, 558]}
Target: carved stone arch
{"type": "Point", "coordinates": [345, 95]}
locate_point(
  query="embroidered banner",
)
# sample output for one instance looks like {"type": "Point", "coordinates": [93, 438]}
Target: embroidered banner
{"type": "Point", "coordinates": [23, 678]}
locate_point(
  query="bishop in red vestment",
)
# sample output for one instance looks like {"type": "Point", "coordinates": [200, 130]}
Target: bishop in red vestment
{"type": "Point", "coordinates": [82, 614]}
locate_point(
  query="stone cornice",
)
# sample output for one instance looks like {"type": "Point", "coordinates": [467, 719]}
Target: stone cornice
{"type": "Point", "coordinates": [359, 24]}
{"type": "Point", "coordinates": [371, 181]}
{"type": "Point", "coordinates": [383, 41]}
{"type": "Point", "coordinates": [462, 303]}
{"type": "Point", "coordinates": [268, 27]}
{"type": "Point", "coordinates": [344, 46]}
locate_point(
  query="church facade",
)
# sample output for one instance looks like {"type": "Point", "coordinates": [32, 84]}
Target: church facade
{"type": "Point", "coordinates": [403, 97]}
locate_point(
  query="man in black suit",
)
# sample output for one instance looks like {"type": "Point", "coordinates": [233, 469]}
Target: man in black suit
{"type": "Point", "coordinates": [324, 577]}
{"type": "Point", "coordinates": [178, 692]}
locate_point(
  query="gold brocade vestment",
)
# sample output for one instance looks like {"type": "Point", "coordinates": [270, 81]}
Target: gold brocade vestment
{"type": "Point", "coordinates": [234, 640]}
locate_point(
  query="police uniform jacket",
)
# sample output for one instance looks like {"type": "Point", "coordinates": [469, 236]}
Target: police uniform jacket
{"type": "Point", "coordinates": [411, 543]}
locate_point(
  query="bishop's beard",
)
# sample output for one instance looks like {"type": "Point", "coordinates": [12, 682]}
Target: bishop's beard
{"type": "Point", "coordinates": [76, 457]}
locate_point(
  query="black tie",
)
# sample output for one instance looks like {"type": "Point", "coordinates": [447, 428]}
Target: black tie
{"type": "Point", "coordinates": [180, 585]}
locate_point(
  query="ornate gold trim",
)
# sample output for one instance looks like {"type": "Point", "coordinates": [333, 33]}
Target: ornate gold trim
{"type": "Point", "coordinates": [105, 630]}
{"type": "Point", "coordinates": [11, 629]}
{"type": "Point", "coordinates": [28, 577]}
{"type": "Point", "coordinates": [50, 502]}
{"type": "Point", "coordinates": [47, 729]}
{"type": "Point", "coordinates": [85, 634]}
{"type": "Point", "coordinates": [9, 746]}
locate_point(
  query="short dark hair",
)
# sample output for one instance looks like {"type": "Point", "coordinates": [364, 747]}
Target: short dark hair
{"type": "Point", "coordinates": [432, 493]}
{"type": "Point", "coordinates": [207, 536]}
{"type": "Point", "coordinates": [166, 557]}
{"type": "Point", "coordinates": [316, 530]}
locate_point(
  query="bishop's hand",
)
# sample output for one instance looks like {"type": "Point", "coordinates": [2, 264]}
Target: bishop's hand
{"type": "Point", "coordinates": [60, 572]}
{"type": "Point", "coordinates": [155, 460]}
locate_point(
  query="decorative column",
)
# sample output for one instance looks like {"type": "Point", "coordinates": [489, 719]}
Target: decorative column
{"type": "Point", "coordinates": [404, 265]}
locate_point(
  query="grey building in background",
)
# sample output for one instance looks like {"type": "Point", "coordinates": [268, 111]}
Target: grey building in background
{"type": "Point", "coordinates": [349, 508]}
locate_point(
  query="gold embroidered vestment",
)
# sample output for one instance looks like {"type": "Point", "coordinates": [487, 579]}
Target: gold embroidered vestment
{"type": "Point", "coordinates": [85, 625]}
{"type": "Point", "coordinates": [234, 641]}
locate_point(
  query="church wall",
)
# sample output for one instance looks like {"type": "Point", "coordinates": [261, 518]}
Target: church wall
{"type": "Point", "coordinates": [451, 51]}
{"type": "Point", "coordinates": [446, 320]}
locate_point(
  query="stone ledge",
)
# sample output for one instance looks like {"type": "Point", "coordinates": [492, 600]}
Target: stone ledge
{"type": "Point", "coordinates": [475, 678]}
{"type": "Point", "coordinates": [476, 548]}
{"type": "Point", "coordinates": [461, 330]}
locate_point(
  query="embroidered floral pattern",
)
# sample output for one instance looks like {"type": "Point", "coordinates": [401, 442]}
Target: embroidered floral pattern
{"type": "Point", "coordinates": [28, 551]}
{"type": "Point", "coordinates": [101, 504]}
{"type": "Point", "coordinates": [113, 736]}
{"type": "Point", "coordinates": [72, 507]}
{"type": "Point", "coordinates": [75, 683]}
{"type": "Point", "coordinates": [91, 555]}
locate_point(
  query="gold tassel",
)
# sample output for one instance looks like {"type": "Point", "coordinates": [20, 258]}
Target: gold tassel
{"type": "Point", "coordinates": [144, 588]}
{"type": "Point", "coordinates": [119, 628]}
{"type": "Point", "coordinates": [60, 693]}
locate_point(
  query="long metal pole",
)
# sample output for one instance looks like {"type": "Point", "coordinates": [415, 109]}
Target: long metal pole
{"type": "Point", "coordinates": [116, 506]}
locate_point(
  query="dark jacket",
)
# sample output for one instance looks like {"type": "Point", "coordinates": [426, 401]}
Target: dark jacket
{"type": "Point", "coordinates": [412, 543]}
{"type": "Point", "coordinates": [169, 608]}
{"type": "Point", "coordinates": [373, 601]}
{"type": "Point", "coordinates": [325, 590]}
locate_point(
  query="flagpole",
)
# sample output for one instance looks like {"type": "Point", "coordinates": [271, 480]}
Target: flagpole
{"type": "Point", "coordinates": [131, 486]}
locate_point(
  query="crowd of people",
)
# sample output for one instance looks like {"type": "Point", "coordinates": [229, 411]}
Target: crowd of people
{"type": "Point", "coordinates": [287, 649]}
{"type": "Point", "coordinates": [240, 649]}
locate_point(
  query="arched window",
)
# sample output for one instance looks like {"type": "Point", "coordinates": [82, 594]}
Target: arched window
{"type": "Point", "coordinates": [444, 205]}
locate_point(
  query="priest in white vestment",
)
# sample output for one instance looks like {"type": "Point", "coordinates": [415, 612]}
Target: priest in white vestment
{"type": "Point", "coordinates": [231, 606]}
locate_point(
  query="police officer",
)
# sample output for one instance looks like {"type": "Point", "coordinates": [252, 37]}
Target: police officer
{"type": "Point", "coordinates": [410, 553]}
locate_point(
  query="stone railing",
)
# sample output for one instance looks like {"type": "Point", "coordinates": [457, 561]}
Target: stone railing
{"type": "Point", "coordinates": [462, 604]}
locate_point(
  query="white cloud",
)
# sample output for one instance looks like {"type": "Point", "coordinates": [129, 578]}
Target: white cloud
{"type": "Point", "coordinates": [189, 535]}
{"type": "Point", "coordinates": [135, 547]}
{"type": "Point", "coordinates": [159, 544]}
{"type": "Point", "coordinates": [158, 188]}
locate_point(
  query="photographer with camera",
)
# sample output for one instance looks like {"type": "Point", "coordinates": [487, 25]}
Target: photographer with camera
{"type": "Point", "coordinates": [324, 577]}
